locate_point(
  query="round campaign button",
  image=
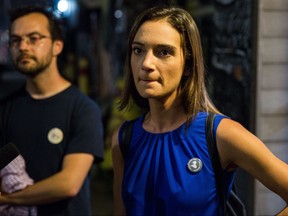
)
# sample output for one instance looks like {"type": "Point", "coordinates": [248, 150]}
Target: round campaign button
{"type": "Point", "coordinates": [55, 136]}
{"type": "Point", "coordinates": [194, 165]}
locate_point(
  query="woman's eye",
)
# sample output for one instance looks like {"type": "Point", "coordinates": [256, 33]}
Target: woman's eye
{"type": "Point", "coordinates": [164, 53]}
{"type": "Point", "coordinates": [137, 50]}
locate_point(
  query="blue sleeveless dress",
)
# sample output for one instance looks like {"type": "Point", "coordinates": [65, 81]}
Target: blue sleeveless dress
{"type": "Point", "coordinates": [157, 180]}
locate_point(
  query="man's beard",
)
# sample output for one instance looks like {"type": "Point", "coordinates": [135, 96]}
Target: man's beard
{"type": "Point", "coordinates": [34, 69]}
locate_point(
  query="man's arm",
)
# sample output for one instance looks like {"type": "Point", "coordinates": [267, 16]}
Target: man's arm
{"type": "Point", "coordinates": [283, 212]}
{"type": "Point", "coordinates": [63, 184]}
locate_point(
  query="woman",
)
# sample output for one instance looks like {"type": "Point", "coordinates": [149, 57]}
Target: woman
{"type": "Point", "coordinates": [166, 77]}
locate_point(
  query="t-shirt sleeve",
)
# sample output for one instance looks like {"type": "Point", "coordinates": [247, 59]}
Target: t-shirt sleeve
{"type": "Point", "coordinates": [86, 131]}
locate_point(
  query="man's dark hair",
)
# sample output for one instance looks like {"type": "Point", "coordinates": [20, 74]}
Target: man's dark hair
{"type": "Point", "coordinates": [55, 24]}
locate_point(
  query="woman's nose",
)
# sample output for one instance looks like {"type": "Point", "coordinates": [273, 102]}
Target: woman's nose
{"type": "Point", "coordinates": [148, 61]}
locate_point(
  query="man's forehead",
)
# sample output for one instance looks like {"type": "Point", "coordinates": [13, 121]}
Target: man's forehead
{"type": "Point", "coordinates": [33, 22]}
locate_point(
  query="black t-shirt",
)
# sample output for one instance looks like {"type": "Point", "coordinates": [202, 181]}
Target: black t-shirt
{"type": "Point", "coordinates": [46, 130]}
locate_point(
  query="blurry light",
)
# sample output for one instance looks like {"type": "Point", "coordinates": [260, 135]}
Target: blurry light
{"type": "Point", "coordinates": [118, 14]}
{"type": "Point", "coordinates": [62, 5]}
{"type": "Point", "coordinates": [4, 36]}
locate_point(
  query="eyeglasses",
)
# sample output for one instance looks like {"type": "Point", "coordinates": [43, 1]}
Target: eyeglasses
{"type": "Point", "coordinates": [31, 39]}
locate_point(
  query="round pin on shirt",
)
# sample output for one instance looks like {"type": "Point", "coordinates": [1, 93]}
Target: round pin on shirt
{"type": "Point", "coordinates": [55, 136]}
{"type": "Point", "coordinates": [194, 165]}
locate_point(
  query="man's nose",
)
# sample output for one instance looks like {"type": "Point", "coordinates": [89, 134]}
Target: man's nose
{"type": "Point", "coordinates": [23, 43]}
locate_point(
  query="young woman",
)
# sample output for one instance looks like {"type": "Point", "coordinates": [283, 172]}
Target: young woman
{"type": "Point", "coordinates": [165, 76]}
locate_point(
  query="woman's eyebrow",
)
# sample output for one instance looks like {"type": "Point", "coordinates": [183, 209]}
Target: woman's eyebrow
{"type": "Point", "coordinates": [137, 43]}
{"type": "Point", "coordinates": [169, 46]}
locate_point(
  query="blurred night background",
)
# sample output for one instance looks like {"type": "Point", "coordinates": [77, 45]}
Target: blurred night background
{"type": "Point", "coordinates": [96, 33]}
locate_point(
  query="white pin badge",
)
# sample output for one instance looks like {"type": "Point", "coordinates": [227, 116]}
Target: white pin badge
{"type": "Point", "coordinates": [194, 165]}
{"type": "Point", "coordinates": [55, 136]}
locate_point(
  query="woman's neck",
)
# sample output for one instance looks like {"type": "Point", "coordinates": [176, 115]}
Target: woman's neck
{"type": "Point", "coordinates": [163, 120]}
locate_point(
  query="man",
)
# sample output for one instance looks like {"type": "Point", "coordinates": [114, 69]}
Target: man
{"type": "Point", "coordinates": [57, 129]}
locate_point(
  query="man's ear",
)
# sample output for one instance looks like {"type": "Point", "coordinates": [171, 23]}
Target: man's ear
{"type": "Point", "coordinates": [57, 47]}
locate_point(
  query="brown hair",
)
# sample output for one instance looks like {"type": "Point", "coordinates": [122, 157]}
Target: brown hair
{"type": "Point", "coordinates": [55, 24]}
{"type": "Point", "coordinates": [193, 91]}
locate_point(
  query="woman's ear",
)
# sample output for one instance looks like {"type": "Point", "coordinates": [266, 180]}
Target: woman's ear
{"type": "Point", "coordinates": [57, 47]}
{"type": "Point", "coordinates": [186, 72]}
{"type": "Point", "coordinates": [187, 69]}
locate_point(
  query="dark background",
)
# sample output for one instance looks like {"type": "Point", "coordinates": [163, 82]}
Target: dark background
{"type": "Point", "coordinates": [96, 33]}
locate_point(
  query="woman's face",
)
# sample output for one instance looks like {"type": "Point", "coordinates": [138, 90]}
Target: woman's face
{"type": "Point", "coordinates": [157, 60]}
